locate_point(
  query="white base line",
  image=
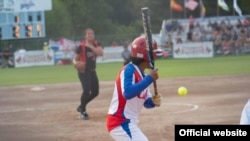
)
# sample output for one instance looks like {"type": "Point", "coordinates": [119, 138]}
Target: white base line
{"type": "Point", "coordinates": [24, 110]}
{"type": "Point", "coordinates": [193, 107]}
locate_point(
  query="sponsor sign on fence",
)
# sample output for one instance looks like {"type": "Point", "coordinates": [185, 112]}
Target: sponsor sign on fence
{"type": "Point", "coordinates": [33, 58]}
{"type": "Point", "coordinates": [193, 50]}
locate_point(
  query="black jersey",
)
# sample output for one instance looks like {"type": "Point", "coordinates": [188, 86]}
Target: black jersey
{"type": "Point", "coordinates": [87, 55]}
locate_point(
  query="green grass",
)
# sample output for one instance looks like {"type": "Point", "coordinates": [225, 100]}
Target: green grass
{"type": "Point", "coordinates": [225, 65]}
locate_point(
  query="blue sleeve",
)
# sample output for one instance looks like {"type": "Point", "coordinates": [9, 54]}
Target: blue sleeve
{"type": "Point", "coordinates": [132, 90]}
{"type": "Point", "coordinates": [149, 103]}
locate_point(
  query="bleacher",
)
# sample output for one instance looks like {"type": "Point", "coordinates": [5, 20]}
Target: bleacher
{"type": "Point", "coordinates": [204, 29]}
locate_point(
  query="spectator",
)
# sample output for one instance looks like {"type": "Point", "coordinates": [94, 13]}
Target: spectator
{"type": "Point", "coordinates": [217, 41]}
{"type": "Point", "coordinates": [242, 38]}
{"type": "Point", "coordinates": [5, 58]}
{"type": "Point", "coordinates": [11, 50]}
{"type": "Point", "coordinates": [178, 40]}
{"type": "Point", "coordinates": [226, 47]}
{"type": "Point", "coordinates": [125, 54]}
{"type": "Point", "coordinates": [190, 36]}
{"type": "Point", "coordinates": [168, 27]}
{"type": "Point", "coordinates": [8, 57]}
{"type": "Point", "coordinates": [191, 22]}
{"type": "Point", "coordinates": [46, 46]}
{"type": "Point", "coordinates": [169, 43]}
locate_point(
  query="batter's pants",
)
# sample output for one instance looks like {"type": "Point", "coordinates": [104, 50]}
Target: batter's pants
{"type": "Point", "coordinates": [128, 132]}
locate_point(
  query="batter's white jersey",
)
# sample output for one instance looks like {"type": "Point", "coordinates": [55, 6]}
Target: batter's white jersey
{"type": "Point", "coordinates": [245, 115]}
{"type": "Point", "coordinates": [131, 94]}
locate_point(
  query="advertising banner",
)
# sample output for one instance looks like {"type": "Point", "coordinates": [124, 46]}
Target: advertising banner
{"type": "Point", "coordinates": [25, 5]}
{"type": "Point", "coordinates": [33, 58]}
{"type": "Point", "coordinates": [193, 50]}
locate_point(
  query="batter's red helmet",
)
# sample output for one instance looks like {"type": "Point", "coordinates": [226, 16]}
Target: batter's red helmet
{"type": "Point", "coordinates": [139, 48]}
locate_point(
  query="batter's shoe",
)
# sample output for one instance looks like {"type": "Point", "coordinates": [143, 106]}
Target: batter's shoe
{"type": "Point", "coordinates": [84, 116]}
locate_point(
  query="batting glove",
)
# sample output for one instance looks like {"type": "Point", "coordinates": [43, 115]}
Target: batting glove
{"type": "Point", "coordinates": [157, 100]}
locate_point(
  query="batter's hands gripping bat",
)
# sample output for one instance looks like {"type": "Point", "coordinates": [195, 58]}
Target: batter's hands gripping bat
{"type": "Point", "coordinates": [149, 41]}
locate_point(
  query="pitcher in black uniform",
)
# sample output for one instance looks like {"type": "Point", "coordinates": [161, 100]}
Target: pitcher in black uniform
{"type": "Point", "coordinates": [85, 63]}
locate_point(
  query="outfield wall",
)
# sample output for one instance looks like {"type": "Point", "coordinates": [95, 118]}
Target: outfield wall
{"type": "Point", "coordinates": [111, 54]}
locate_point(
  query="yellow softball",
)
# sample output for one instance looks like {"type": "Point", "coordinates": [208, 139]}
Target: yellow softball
{"type": "Point", "coordinates": [182, 91]}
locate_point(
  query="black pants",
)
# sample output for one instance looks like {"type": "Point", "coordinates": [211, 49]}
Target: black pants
{"type": "Point", "coordinates": [90, 87]}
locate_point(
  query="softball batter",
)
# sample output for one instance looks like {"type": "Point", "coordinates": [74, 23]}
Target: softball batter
{"type": "Point", "coordinates": [131, 94]}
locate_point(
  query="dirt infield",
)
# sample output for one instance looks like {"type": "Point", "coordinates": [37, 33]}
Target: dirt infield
{"type": "Point", "coordinates": [49, 114]}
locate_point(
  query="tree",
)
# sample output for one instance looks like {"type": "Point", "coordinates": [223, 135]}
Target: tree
{"type": "Point", "coordinates": [117, 18]}
{"type": "Point", "coordinates": [57, 21]}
